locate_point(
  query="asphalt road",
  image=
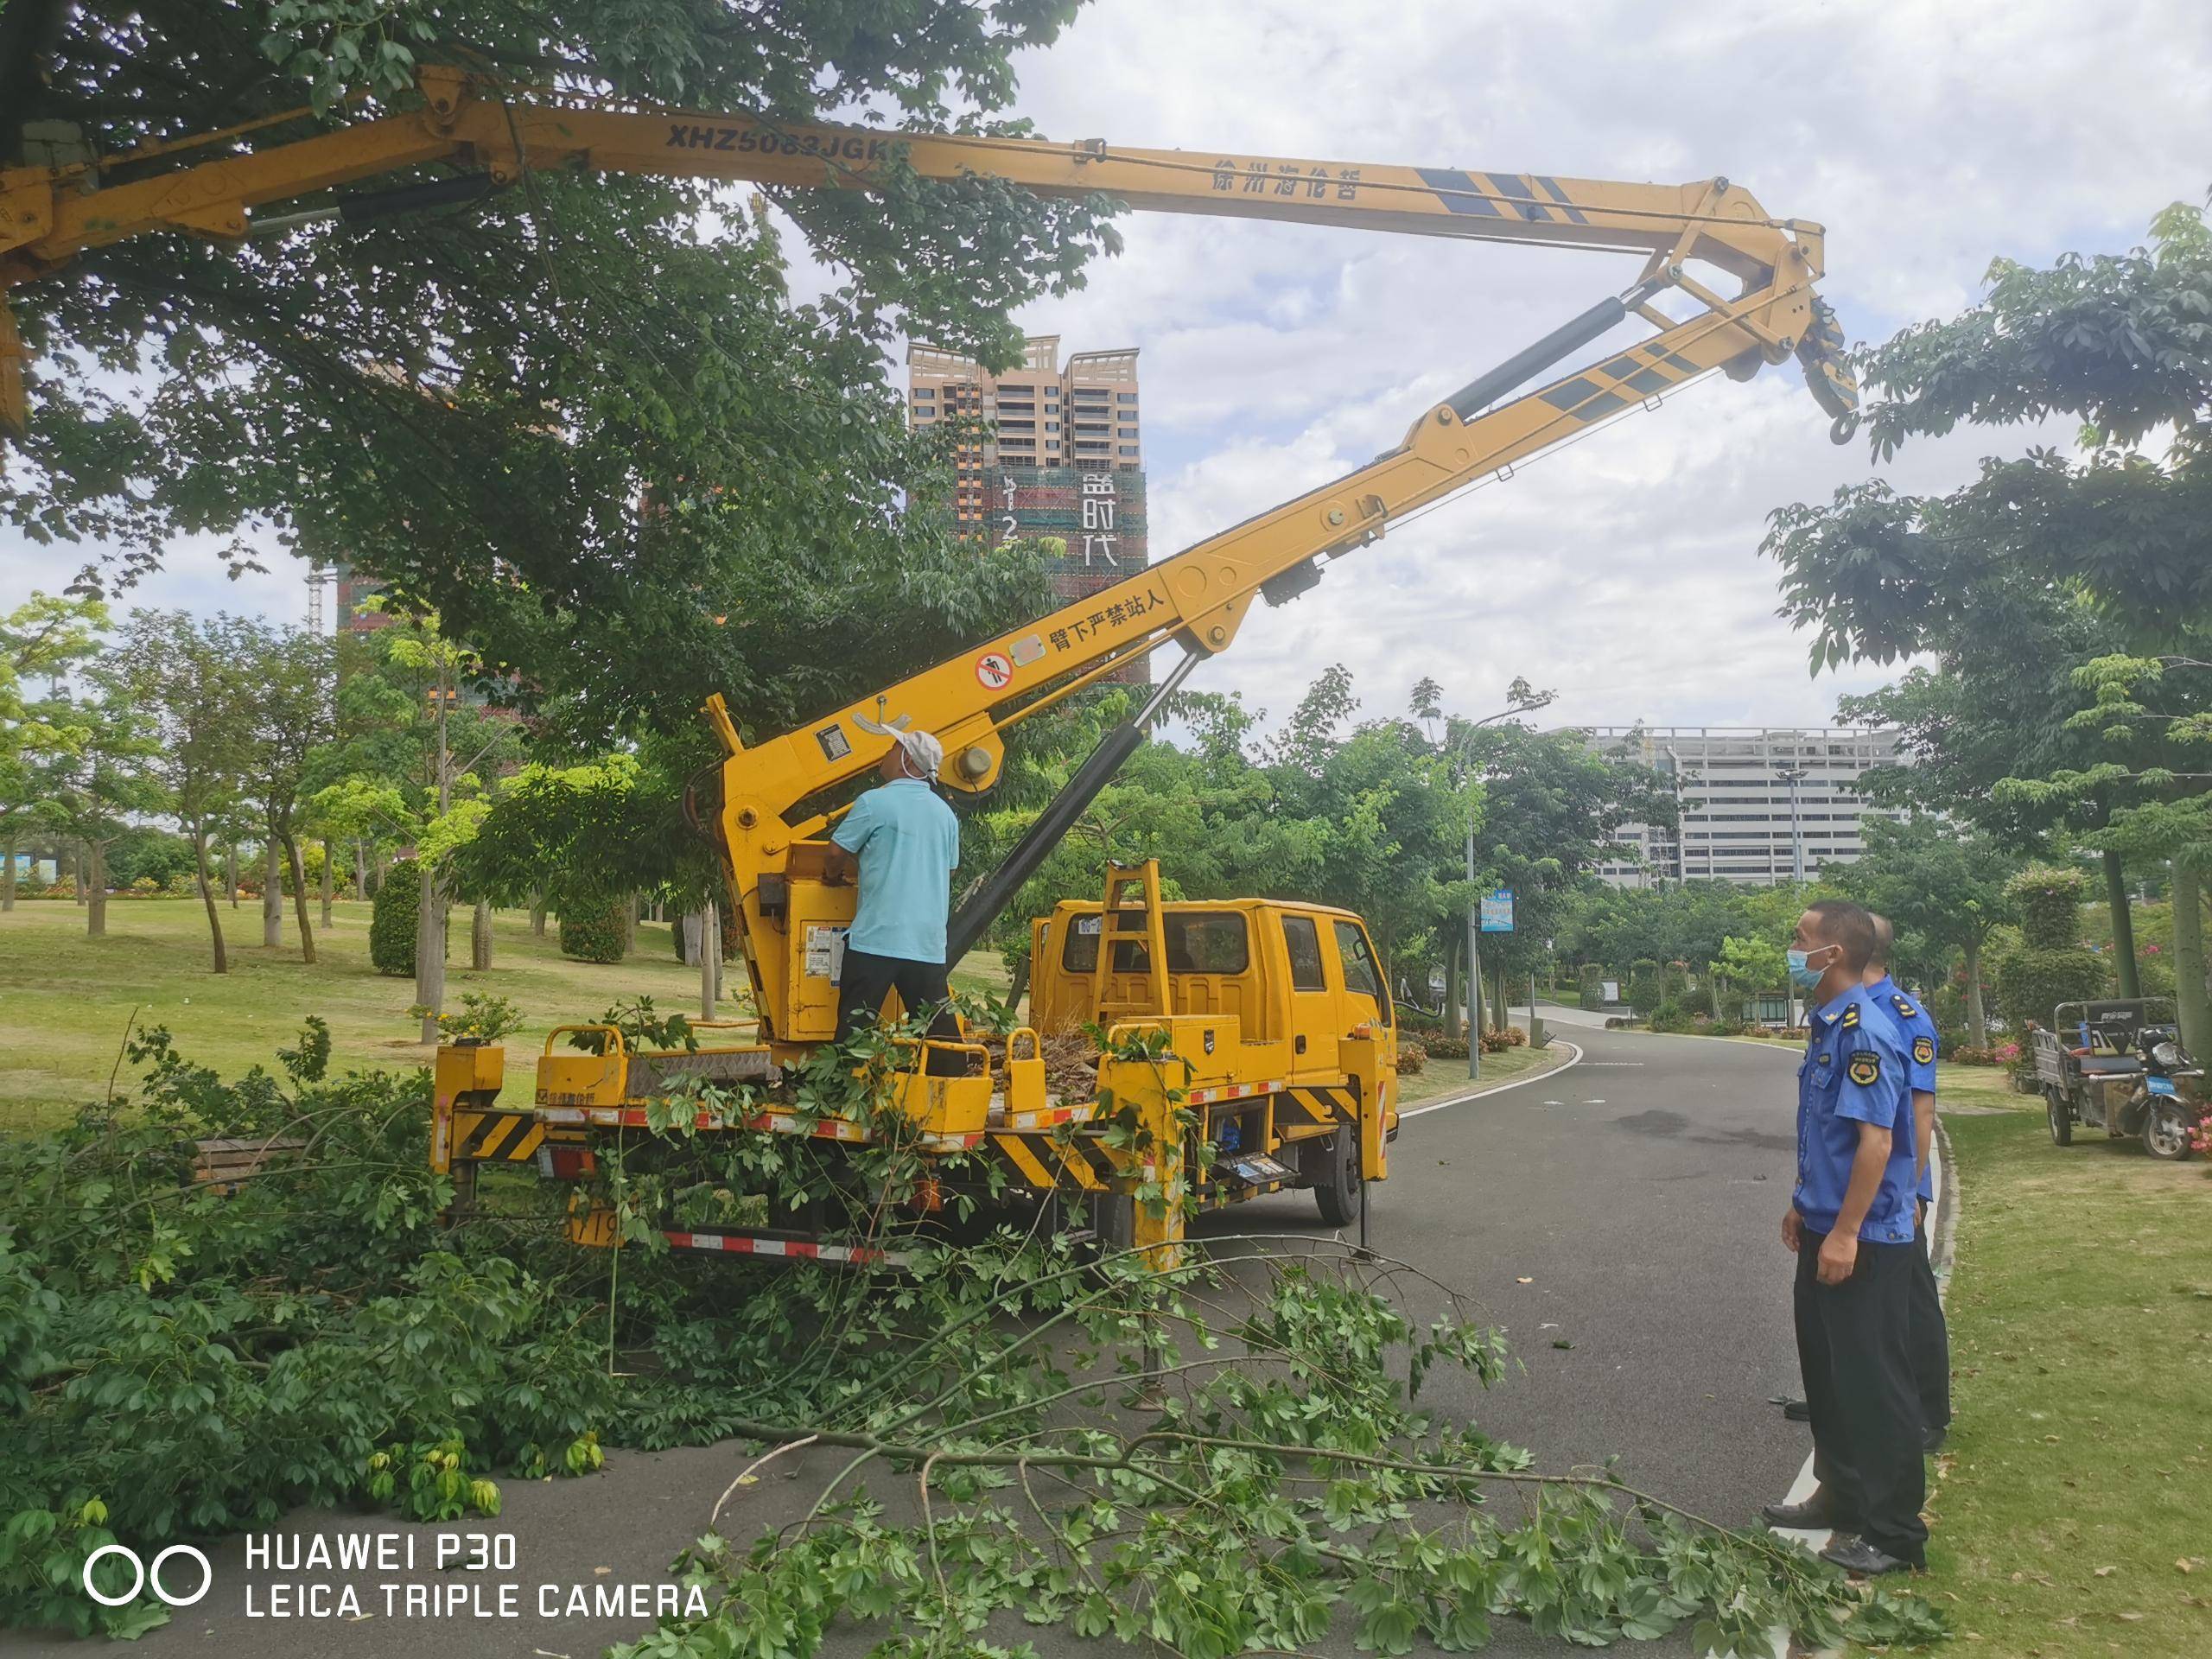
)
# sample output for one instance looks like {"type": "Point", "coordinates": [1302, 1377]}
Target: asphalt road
{"type": "Point", "coordinates": [1618, 1217]}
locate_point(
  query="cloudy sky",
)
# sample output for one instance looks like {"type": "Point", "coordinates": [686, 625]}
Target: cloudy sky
{"type": "Point", "coordinates": [1928, 137]}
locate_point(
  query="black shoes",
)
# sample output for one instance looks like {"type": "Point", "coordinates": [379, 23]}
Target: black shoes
{"type": "Point", "coordinates": [1815, 1513]}
{"type": "Point", "coordinates": [1865, 1560]}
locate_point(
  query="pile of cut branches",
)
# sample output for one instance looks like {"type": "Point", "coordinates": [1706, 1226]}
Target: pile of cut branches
{"type": "Point", "coordinates": [1230, 1457]}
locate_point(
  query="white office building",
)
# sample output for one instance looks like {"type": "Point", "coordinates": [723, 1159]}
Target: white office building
{"type": "Point", "coordinates": [1760, 805]}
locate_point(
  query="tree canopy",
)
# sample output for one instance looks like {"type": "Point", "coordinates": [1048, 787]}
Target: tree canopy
{"type": "Point", "coordinates": [585, 421]}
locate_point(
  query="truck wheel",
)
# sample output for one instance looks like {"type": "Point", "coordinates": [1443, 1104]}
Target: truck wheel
{"type": "Point", "coordinates": [2061, 1121]}
{"type": "Point", "coordinates": [1336, 1184]}
{"type": "Point", "coordinates": [2166, 1130]}
{"type": "Point", "coordinates": [1114, 1222]}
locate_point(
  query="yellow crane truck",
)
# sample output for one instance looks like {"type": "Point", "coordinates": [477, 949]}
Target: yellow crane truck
{"type": "Point", "coordinates": [1247, 1047]}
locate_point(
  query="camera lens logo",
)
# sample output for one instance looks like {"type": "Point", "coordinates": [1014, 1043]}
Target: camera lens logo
{"type": "Point", "coordinates": [141, 1574]}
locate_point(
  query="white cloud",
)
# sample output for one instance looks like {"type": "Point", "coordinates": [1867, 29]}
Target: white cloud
{"type": "Point", "coordinates": [1926, 137]}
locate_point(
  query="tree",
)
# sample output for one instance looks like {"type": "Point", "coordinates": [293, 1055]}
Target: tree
{"type": "Point", "coordinates": [420, 738]}
{"type": "Point", "coordinates": [288, 703]}
{"type": "Point", "coordinates": [1937, 881]}
{"type": "Point", "coordinates": [1553, 809]}
{"type": "Point", "coordinates": [43, 638]}
{"type": "Point", "coordinates": [193, 682]}
{"type": "Point", "coordinates": [95, 786]}
{"type": "Point", "coordinates": [560, 413]}
{"type": "Point", "coordinates": [2122, 343]}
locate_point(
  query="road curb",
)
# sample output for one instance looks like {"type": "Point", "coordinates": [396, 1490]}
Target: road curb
{"type": "Point", "coordinates": [1498, 1088]}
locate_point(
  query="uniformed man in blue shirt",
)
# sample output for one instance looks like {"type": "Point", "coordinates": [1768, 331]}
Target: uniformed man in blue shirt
{"type": "Point", "coordinates": [906, 844]}
{"type": "Point", "coordinates": [1852, 1225]}
{"type": "Point", "coordinates": [1931, 1339]}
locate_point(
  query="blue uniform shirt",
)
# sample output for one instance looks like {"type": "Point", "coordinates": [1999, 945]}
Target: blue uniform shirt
{"type": "Point", "coordinates": [1853, 1073]}
{"type": "Point", "coordinates": [1922, 1048]}
{"type": "Point", "coordinates": [908, 845]}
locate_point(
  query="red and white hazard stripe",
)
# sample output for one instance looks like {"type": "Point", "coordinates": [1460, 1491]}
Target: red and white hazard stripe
{"type": "Point", "coordinates": [834, 1128]}
{"type": "Point", "coordinates": [788, 1249]}
{"type": "Point", "coordinates": [1232, 1091]}
{"type": "Point", "coordinates": [1051, 1118]}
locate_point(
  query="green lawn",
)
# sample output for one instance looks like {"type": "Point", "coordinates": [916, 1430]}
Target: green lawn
{"type": "Point", "coordinates": [2071, 1514]}
{"type": "Point", "coordinates": [66, 1000]}
{"type": "Point", "coordinates": [1441, 1078]}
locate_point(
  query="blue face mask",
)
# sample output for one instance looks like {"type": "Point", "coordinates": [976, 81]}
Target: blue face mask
{"type": "Point", "coordinates": [1802, 974]}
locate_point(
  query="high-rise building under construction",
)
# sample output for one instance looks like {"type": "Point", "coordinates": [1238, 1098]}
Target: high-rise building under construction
{"type": "Point", "coordinates": [1054, 453]}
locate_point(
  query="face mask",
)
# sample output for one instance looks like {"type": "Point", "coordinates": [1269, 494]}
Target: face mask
{"type": "Point", "coordinates": [1801, 973]}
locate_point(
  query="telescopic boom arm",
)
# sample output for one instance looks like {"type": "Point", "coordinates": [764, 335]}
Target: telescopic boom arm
{"type": "Point", "coordinates": [1200, 596]}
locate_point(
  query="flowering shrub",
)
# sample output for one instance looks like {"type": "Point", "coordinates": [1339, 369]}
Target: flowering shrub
{"type": "Point", "coordinates": [1996, 1054]}
{"type": "Point", "coordinates": [1412, 1057]}
{"type": "Point", "coordinates": [1496, 1042]}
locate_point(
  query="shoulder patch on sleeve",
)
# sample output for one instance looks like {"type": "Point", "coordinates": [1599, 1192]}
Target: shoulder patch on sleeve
{"type": "Point", "coordinates": [1923, 1049]}
{"type": "Point", "coordinates": [1902, 1004]}
{"type": "Point", "coordinates": [1851, 1017]}
{"type": "Point", "coordinates": [1866, 1068]}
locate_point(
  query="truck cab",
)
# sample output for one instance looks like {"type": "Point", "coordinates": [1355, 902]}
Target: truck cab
{"type": "Point", "coordinates": [1285, 1004]}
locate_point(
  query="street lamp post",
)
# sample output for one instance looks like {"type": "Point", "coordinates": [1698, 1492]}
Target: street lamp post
{"type": "Point", "coordinates": [1794, 776]}
{"type": "Point", "coordinates": [1524, 705]}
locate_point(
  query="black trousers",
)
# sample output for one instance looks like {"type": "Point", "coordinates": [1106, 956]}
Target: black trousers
{"type": "Point", "coordinates": [1931, 1342]}
{"type": "Point", "coordinates": [1854, 1348]}
{"type": "Point", "coordinates": [868, 979]}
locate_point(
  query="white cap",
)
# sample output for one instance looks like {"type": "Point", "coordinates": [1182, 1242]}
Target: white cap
{"type": "Point", "coordinates": [924, 753]}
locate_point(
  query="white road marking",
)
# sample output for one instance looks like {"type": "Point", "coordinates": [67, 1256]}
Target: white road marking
{"type": "Point", "coordinates": [1484, 1094]}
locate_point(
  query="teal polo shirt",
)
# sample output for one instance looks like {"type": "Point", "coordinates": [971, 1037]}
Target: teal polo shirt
{"type": "Point", "coordinates": [908, 845]}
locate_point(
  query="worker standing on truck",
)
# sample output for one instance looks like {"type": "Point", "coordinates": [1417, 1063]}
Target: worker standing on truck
{"type": "Point", "coordinates": [1931, 1339]}
{"type": "Point", "coordinates": [1851, 1223]}
{"type": "Point", "coordinates": [905, 842]}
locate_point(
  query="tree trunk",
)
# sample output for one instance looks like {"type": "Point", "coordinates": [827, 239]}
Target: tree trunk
{"type": "Point", "coordinates": [1977, 1017]}
{"type": "Point", "coordinates": [94, 891]}
{"type": "Point", "coordinates": [231, 872]}
{"type": "Point", "coordinates": [329, 859]}
{"type": "Point", "coordinates": [300, 896]}
{"type": "Point", "coordinates": [272, 891]}
{"type": "Point", "coordinates": [2191, 999]}
{"type": "Point", "coordinates": [430, 952]}
{"type": "Point", "coordinates": [1020, 987]}
{"type": "Point", "coordinates": [537, 912]}
{"type": "Point", "coordinates": [630, 926]}
{"type": "Point", "coordinates": [1453, 950]}
{"type": "Point", "coordinates": [208, 898]}
{"type": "Point", "coordinates": [2123, 924]}
{"type": "Point", "coordinates": [479, 936]}
{"type": "Point", "coordinates": [709, 929]}
{"type": "Point", "coordinates": [8, 872]}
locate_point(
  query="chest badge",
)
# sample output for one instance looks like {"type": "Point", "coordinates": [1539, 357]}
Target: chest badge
{"type": "Point", "coordinates": [1866, 1068]}
{"type": "Point", "coordinates": [1825, 1058]}
{"type": "Point", "coordinates": [1923, 1050]}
